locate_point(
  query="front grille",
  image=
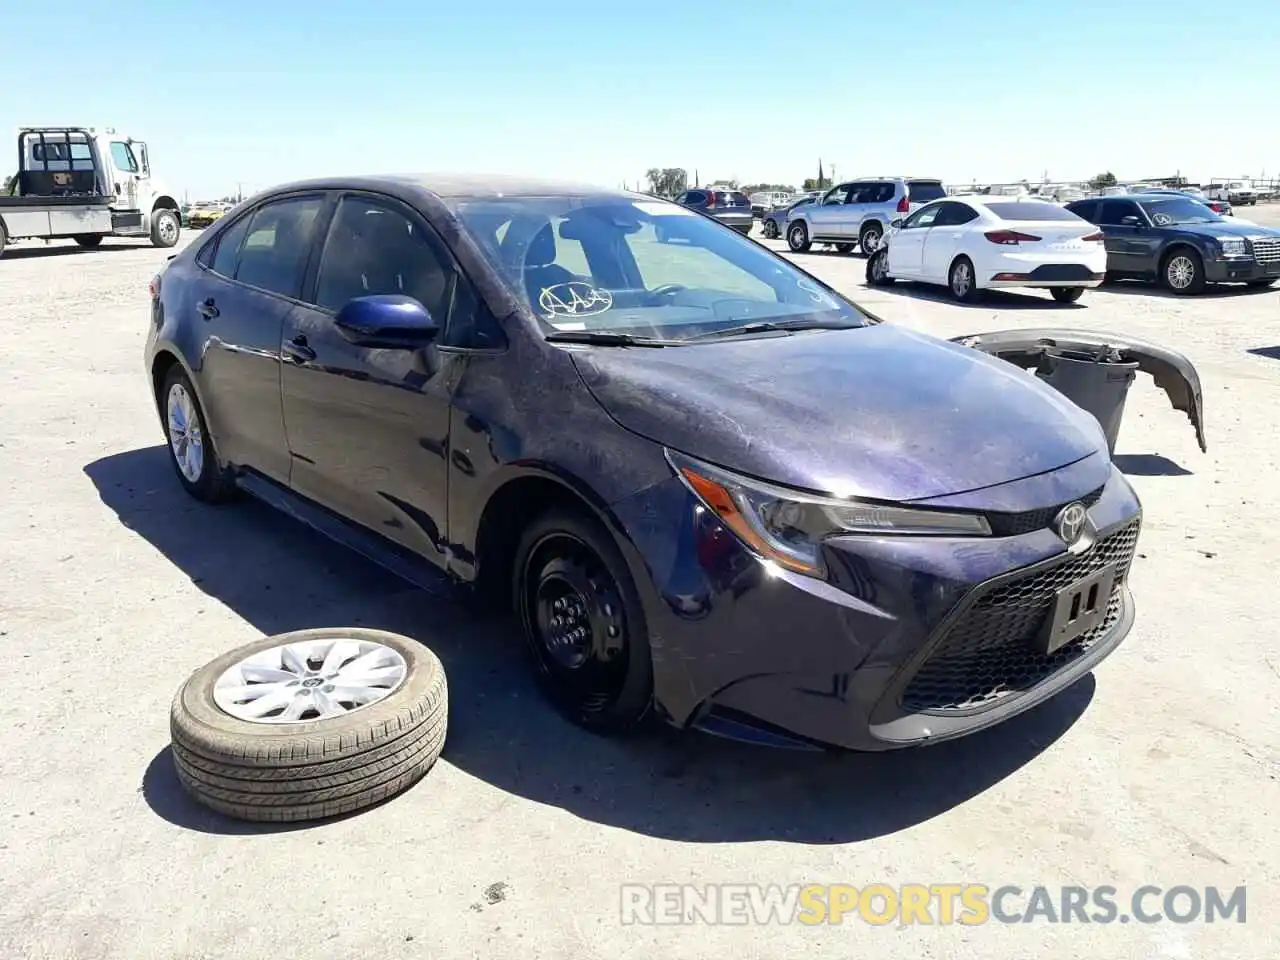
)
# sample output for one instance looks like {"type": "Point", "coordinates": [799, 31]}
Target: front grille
{"type": "Point", "coordinates": [987, 653]}
{"type": "Point", "coordinates": [1016, 524]}
{"type": "Point", "coordinates": [1266, 251]}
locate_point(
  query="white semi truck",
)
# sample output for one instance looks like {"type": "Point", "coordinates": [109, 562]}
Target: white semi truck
{"type": "Point", "coordinates": [83, 184]}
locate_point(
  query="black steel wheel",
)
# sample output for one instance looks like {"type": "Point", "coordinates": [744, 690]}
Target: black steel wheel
{"type": "Point", "coordinates": [581, 617]}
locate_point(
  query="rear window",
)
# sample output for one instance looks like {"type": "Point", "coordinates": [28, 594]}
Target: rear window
{"type": "Point", "coordinates": [923, 191]}
{"type": "Point", "coordinates": [1032, 210]}
{"type": "Point", "coordinates": [732, 197]}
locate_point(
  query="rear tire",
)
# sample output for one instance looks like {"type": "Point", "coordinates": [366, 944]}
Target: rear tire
{"type": "Point", "coordinates": [191, 449]}
{"type": "Point", "coordinates": [165, 228]}
{"type": "Point", "coordinates": [1182, 272]}
{"type": "Point", "coordinates": [962, 281]}
{"type": "Point", "coordinates": [90, 240]}
{"type": "Point", "coordinates": [582, 619]}
{"type": "Point", "coordinates": [770, 230]}
{"type": "Point", "coordinates": [870, 237]}
{"type": "Point", "coordinates": [4, 239]}
{"type": "Point", "coordinates": [798, 237]}
{"type": "Point", "coordinates": [1066, 294]}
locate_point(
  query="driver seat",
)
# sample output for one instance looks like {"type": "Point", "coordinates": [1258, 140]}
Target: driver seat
{"type": "Point", "coordinates": [540, 268]}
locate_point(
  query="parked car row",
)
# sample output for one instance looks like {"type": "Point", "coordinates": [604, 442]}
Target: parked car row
{"type": "Point", "coordinates": [974, 243]}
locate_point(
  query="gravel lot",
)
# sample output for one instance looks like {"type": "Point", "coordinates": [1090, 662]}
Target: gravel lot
{"type": "Point", "coordinates": [1161, 768]}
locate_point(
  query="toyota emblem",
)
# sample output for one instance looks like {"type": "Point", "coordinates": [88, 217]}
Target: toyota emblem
{"type": "Point", "coordinates": [1069, 522]}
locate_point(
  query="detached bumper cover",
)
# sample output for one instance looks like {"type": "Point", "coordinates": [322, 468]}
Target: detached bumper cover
{"type": "Point", "coordinates": [1173, 373]}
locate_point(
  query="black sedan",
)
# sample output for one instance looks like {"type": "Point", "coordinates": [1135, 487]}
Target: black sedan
{"type": "Point", "coordinates": [710, 487]}
{"type": "Point", "coordinates": [1180, 243]}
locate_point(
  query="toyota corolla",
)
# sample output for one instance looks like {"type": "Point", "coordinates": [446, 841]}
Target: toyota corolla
{"type": "Point", "coordinates": [709, 486]}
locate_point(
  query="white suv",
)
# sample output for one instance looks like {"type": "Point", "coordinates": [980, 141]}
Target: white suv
{"type": "Point", "coordinates": [858, 212]}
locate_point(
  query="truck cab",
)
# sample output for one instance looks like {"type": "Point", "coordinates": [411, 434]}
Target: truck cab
{"type": "Point", "coordinates": [86, 183]}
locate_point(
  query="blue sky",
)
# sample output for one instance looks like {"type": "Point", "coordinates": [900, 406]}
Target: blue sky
{"type": "Point", "coordinates": [256, 93]}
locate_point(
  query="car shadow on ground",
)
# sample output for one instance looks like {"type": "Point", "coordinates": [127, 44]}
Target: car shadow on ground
{"type": "Point", "coordinates": [990, 299]}
{"type": "Point", "coordinates": [280, 576]}
{"type": "Point", "coordinates": [1148, 465]}
{"type": "Point", "coordinates": [62, 250]}
{"type": "Point", "coordinates": [1216, 291]}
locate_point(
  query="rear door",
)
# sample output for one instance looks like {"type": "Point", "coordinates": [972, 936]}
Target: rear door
{"type": "Point", "coordinates": [869, 199]}
{"type": "Point", "coordinates": [945, 239]}
{"type": "Point", "coordinates": [249, 283]}
{"type": "Point", "coordinates": [369, 428]}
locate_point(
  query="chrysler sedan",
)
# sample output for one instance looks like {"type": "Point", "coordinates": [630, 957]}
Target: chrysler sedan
{"type": "Point", "coordinates": [710, 487]}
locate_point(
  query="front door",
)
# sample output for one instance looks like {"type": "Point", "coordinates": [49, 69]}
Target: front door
{"type": "Point", "coordinates": [125, 174]}
{"type": "Point", "coordinates": [369, 428]}
{"type": "Point", "coordinates": [1127, 236]}
{"type": "Point", "coordinates": [906, 246]}
{"type": "Point", "coordinates": [828, 214]}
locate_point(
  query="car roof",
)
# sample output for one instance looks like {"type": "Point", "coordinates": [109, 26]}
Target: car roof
{"type": "Point", "coordinates": [455, 186]}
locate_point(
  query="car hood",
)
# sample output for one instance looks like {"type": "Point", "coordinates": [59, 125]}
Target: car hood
{"type": "Point", "coordinates": [879, 411]}
{"type": "Point", "coordinates": [1227, 228]}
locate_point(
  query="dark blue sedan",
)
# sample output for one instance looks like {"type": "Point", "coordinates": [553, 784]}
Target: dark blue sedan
{"type": "Point", "coordinates": [709, 486]}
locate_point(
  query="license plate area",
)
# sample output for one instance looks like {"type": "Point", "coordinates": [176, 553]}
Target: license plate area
{"type": "Point", "coordinates": [1077, 609]}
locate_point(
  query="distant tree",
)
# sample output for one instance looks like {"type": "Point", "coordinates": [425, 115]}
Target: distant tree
{"type": "Point", "coordinates": [1107, 179]}
{"type": "Point", "coordinates": [10, 186]}
{"type": "Point", "coordinates": [768, 188]}
{"type": "Point", "coordinates": [667, 181]}
{"type": "Point", "coordinates": [811, 184]}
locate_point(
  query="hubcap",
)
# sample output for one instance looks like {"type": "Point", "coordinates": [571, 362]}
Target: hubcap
{"type": "Point", "coordinates": [574, 616]}
{"type": "Point", "coordinates": [1181, 271]}
{"type": "Point", "coordinates": [185, 439]}
{"type": "Point", "coordinates": [309, 680]}
{"type": "Point", "coordinates": [797, 236]}
{"type": "Point", "coordinates": [870, 241]}
{"type": "Point", "coordinates": [168, 228]}
{"type": "Point", "coordinates": [960, 279]}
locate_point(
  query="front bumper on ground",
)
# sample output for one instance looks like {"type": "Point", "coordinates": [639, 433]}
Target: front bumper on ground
{"type": "Point", "coordinates": [909, 640]}
{"type": "Point", "coordinates": [1240, 270]}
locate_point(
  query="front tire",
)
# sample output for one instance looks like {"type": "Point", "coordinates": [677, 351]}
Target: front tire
{"type": "Point", "coordinates": [798, 237]}
{"type": "Point", "coordinates": [165, 228]}
{"type": "Point", "coordinates": [190, 446]}
{"type": "Point", "coordinates": [770, 230]}
{"type": "Point", "coordinates": [1182, 272]}
{"type": "Point", "coordinates": [89, 240]}
{"type": "Point", "coordinates": [878, 269]}
{"type": "Point", "coordinates": [583, 622]}
{"type": "Point", "coordinates": [1066, 294]}
{"type": "Point", "coordinates": [962, 281]}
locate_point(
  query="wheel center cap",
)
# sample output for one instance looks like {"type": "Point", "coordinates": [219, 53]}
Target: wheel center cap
{"type": "Point", "coordinates": [313, 681]}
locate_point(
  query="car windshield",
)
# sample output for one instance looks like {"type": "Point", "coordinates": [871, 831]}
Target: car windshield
{"type": "Point", "coordinates": [641, 268]}
{"type": "Point", "coordinates": [1167, 211]}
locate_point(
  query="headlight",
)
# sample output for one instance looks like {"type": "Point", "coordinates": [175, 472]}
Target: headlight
{"type": "Point", "coordinates": [787, 526]}
{"type": "Point", "coordinates": [1232, 246]}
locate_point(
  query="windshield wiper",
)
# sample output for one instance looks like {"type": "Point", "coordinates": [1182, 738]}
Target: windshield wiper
{"type": "Point", "coordinates": [768, 326]}
{"type": "Point", "coordinates": [603, 338]}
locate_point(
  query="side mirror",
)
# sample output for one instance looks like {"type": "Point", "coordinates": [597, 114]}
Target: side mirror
{"type": "Point", "coordinates": [1131, 221]}
{"type": "Point", "coordinates": [897, 224]}
{"type": "Point", "coordinates": [388, 321]}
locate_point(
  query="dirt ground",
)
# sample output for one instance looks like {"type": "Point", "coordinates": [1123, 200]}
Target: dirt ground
{"type": "Point", "coordinates": [1161, 768]}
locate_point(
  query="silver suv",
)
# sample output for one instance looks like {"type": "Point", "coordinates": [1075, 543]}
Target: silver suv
{"type": "Point", "coordinates": [858, 212]}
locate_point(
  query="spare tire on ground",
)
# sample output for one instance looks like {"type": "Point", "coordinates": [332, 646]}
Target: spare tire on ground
{"type": "Point", "coordinates": [310, 724]}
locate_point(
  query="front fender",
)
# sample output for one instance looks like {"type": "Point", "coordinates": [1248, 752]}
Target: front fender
{"type": "Point", "coordinates": [1173, 373]}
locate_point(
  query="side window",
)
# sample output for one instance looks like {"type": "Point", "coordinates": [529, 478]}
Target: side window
{"type": "Point", "coordinates": [695, 198]}
{"type": "Point", "coordinates": [122, 156]}
{"type": "Point", "coordinates": [839, 194]}
{"type": "Point", "coordinates": [955, 215]}
{"type": "Point", "coordinates": [1086, 209]}
{"type": "Point", "coordinates": [924, 217]}
{"type": "Point", "coordinates": [1114, 211]}
{"type": "Point", "coordinates": [275, 249]}
{"type": "Point", "coordinates": [228, 248]}
{"type": "Point", "coordinates": [374, 247]}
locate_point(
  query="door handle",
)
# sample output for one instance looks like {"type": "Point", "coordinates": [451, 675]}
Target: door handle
{"type": "Point", "coordinates": [297, 350]}
{"type": "Point", "coordinates": [207, 309]}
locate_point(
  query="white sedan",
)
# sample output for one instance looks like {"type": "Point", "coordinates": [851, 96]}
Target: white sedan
{"type": "Point", "coordinates": [977, 243]}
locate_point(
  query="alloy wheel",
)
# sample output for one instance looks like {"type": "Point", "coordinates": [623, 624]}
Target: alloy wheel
{"type": "Point", "coordinates": [1180, 272]}
{"type": "Point", "coordinates": [961, 279]}
{"type": "Point", "coordinates": [186, 440]}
